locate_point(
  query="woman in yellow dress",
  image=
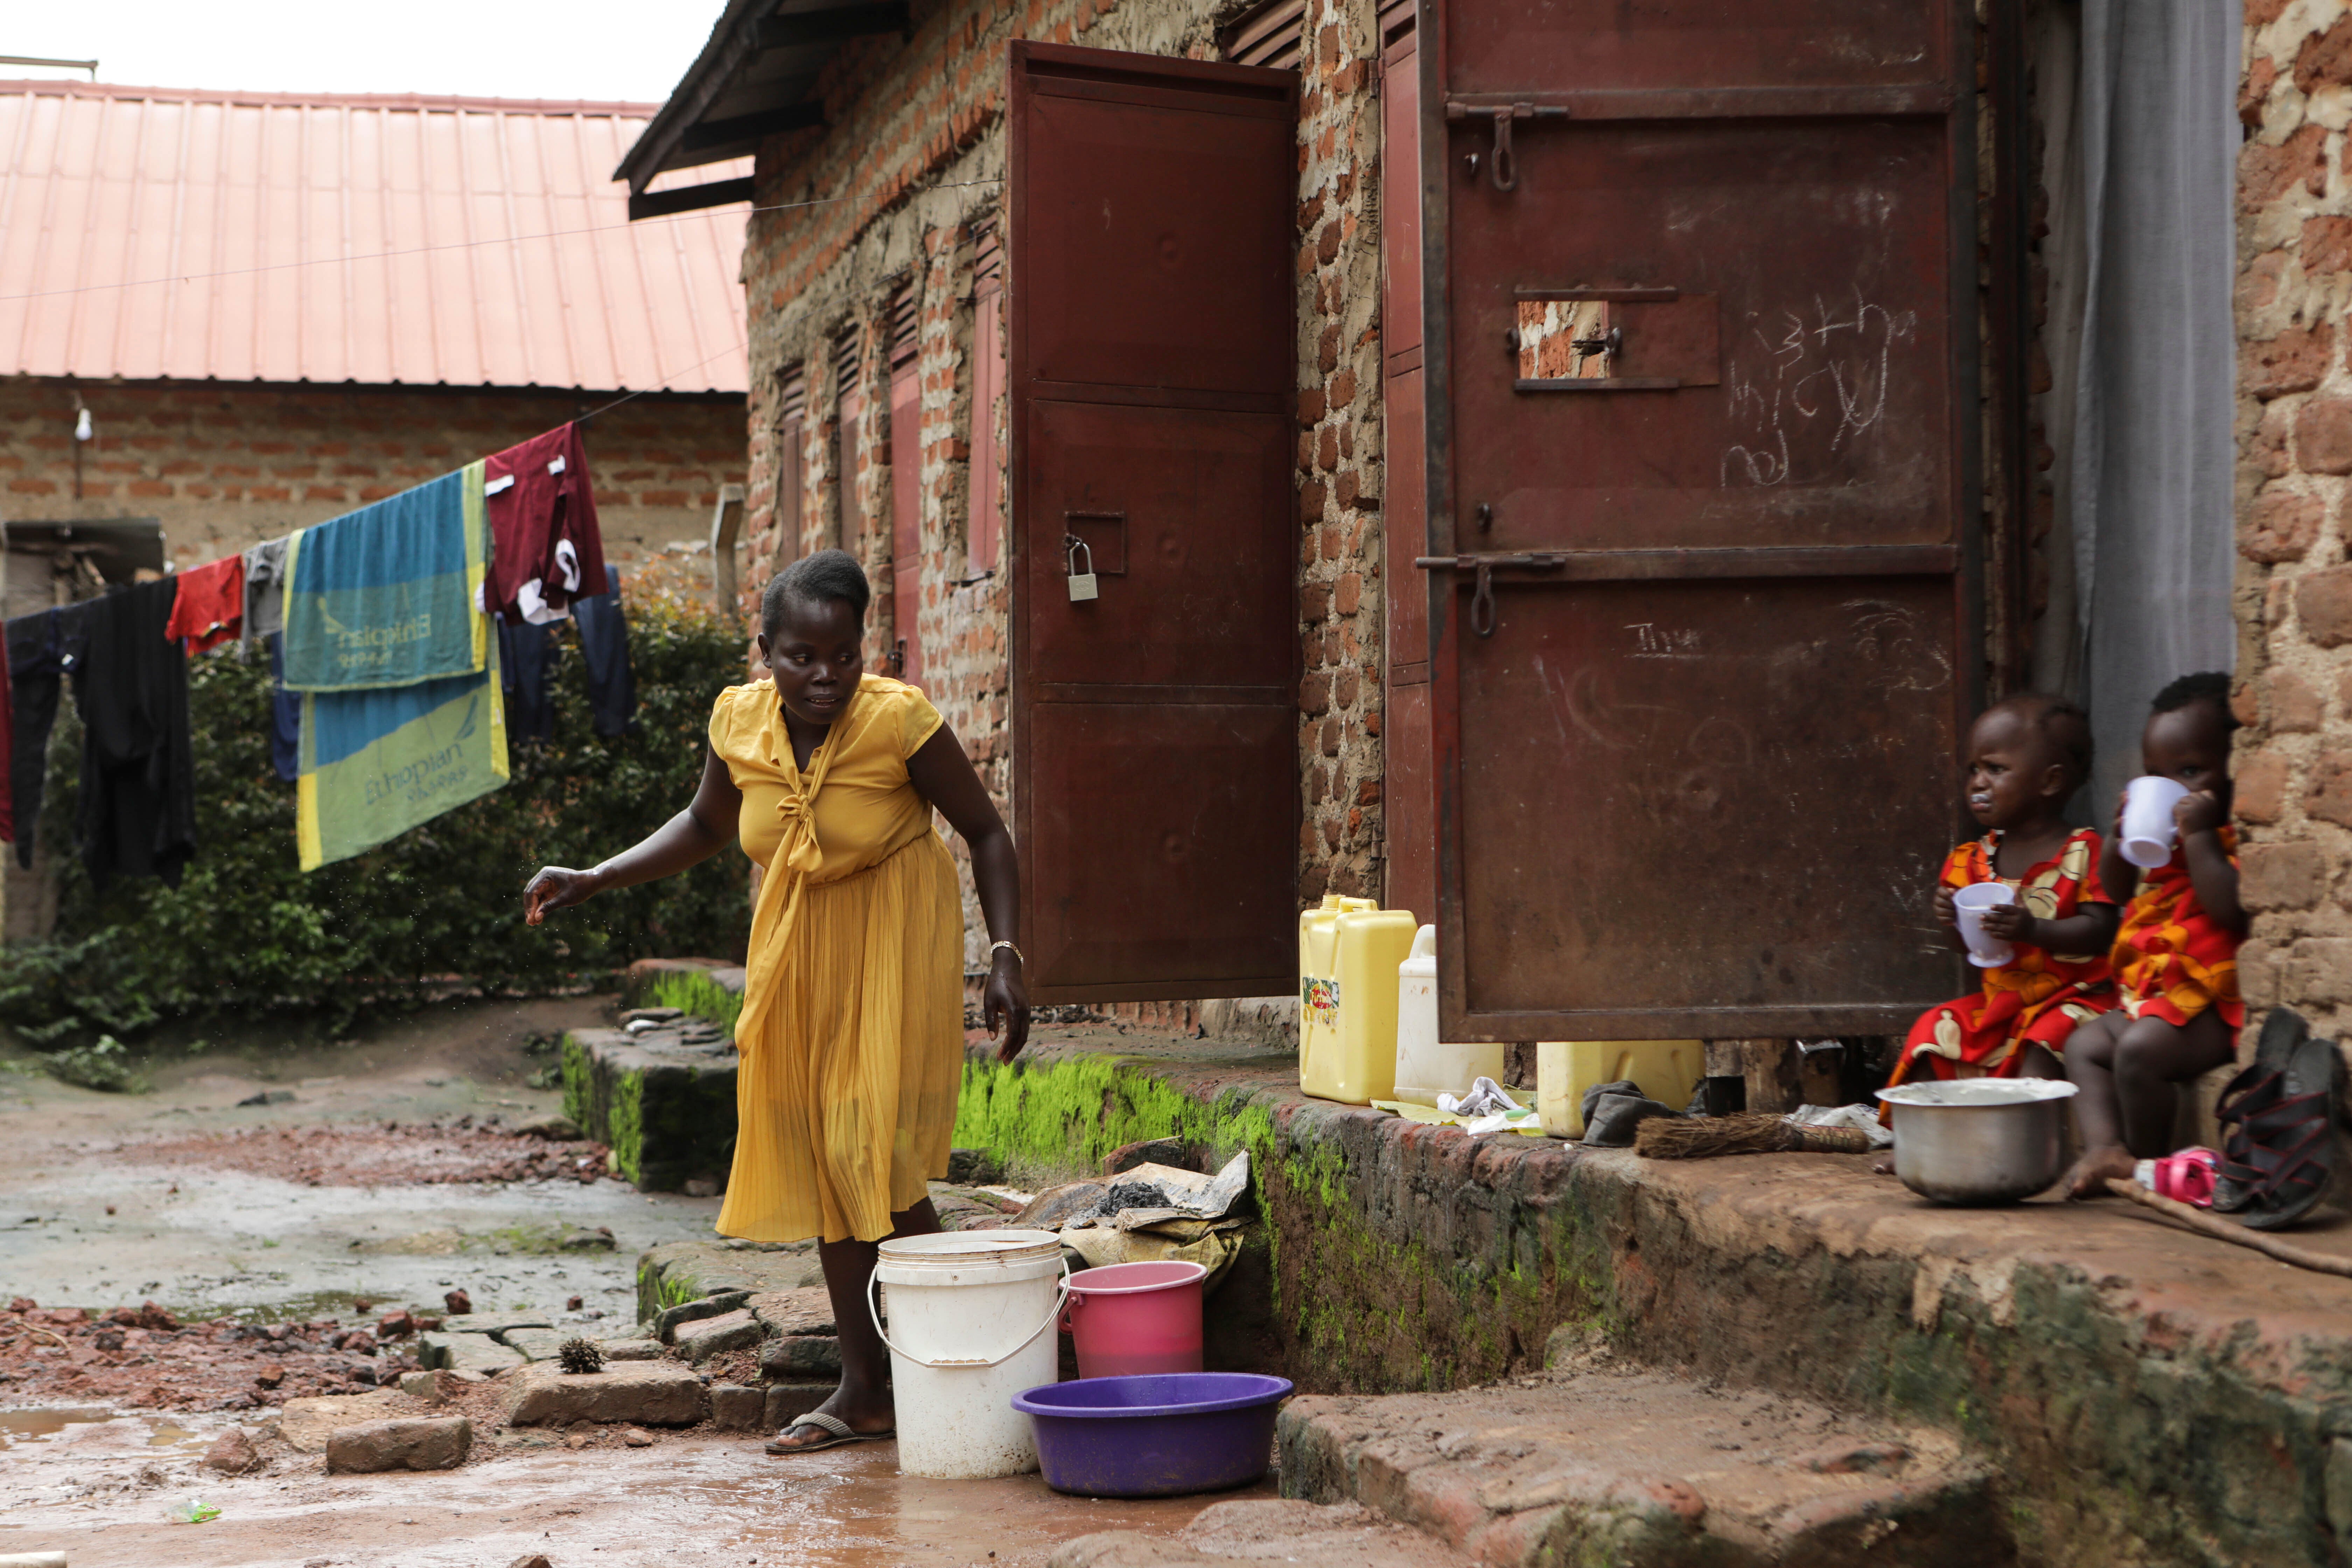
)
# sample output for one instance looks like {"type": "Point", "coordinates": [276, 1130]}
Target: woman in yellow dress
{"type": "Point", "coordinates": [850, 1039]}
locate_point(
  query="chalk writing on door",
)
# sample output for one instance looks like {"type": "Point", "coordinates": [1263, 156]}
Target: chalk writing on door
{"type": "Point", "coordinates": [1807, 386]}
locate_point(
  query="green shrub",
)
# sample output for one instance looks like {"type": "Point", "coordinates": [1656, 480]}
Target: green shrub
{"type": "Point", "coordinates": [104, 1065]}
{"type": "Point", "coordinates": [696, 993]}
{"type": "Point", "coordinates": [246, 933]}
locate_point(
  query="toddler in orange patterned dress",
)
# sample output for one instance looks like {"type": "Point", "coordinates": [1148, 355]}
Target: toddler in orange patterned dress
{"type": "Point", "coordinates": [2027, 756]}
{"type": "Point", "coordinates": [2176, 958]}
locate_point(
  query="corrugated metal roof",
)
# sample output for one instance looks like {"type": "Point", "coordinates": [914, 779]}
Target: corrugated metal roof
{"type": "Point", "coordinates": [224, 218]}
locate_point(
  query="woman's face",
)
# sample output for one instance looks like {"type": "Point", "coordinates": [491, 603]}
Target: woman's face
{"type": "Point", "coordinates": [815, 655]}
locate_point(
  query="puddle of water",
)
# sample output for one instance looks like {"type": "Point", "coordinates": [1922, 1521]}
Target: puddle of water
{"type": "Point", "coordinates": [309, 1307]}
{"type": "Point", "coordinates": [41, 1422]}
{"type": "Point", "coordinates": [20, 1425]}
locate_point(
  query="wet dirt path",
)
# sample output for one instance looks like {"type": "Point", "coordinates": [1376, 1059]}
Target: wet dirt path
{"type": "Point", "coordinates": [86, 1221]}
{"type": "Point", "coordinates": [98, 1483]}
{"type": "Point", "coordinates": [694, 1498]}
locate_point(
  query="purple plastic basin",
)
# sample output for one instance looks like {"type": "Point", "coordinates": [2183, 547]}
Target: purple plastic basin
{"type": "Point", "coordinates": [1158, 1435]}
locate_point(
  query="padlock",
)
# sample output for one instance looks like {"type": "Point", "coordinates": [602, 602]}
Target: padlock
{"type": "Point", "coordinates": [1082, 583]}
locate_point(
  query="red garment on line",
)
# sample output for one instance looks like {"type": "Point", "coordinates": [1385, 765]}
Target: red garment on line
{"type": "Point", "coordinates": [209, 607]}
{"type": "Point", "coordinates": [545, 548]}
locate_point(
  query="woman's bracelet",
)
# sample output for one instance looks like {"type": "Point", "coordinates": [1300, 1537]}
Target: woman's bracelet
{"type": "Point", "coordinates": [1007, 947]}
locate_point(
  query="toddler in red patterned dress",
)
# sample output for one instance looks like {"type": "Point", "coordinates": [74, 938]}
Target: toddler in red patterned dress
{"type": "Point", "coordinates": [2175, 959]}
{"type": "Point", "coordinates": [2027, 755]}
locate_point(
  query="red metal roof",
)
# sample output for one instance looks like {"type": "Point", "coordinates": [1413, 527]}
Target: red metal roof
{"type": "Point", "coordinates": [161, 233]}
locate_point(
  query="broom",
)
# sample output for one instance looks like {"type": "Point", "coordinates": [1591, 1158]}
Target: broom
{"type": "Point", "coordinates": [1744, 1132]}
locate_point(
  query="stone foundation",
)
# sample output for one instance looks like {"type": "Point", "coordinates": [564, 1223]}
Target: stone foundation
{"type": "Point", "coordinates": [2142, 1394]}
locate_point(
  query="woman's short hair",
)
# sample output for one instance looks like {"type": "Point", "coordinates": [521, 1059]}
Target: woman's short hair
{"type": "Point", "coordinates": [813, 580]}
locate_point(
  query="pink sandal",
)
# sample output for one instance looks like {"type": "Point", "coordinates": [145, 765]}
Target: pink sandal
{"type": "Point", "coordinates": [2185, 1177]}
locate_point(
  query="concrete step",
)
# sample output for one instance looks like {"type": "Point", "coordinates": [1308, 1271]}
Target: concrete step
{"type": "Point", "coordinates": [1605, 1463]}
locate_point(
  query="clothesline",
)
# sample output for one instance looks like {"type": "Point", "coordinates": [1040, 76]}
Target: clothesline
{"type": "Point", "coordinates": [398, 637]}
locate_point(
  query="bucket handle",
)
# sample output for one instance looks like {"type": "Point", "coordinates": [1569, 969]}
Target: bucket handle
{"type": "Point", "coordinates": [875, 1313]}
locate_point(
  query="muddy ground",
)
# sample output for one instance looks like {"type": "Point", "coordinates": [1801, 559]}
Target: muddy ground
{"type": "Point", "coordinates": [187, 1263]}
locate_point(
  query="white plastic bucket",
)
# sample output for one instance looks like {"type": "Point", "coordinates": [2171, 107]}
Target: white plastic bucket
{"type": "Point", "coordinates": [970, 1312]}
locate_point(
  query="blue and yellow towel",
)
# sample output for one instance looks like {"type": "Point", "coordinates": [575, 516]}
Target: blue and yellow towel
{"type": "Point", "coordinates": [377, 764]}
{"type": "Point", "coordinates": [402, 714]}
{"type": "Point", "coordinates": [384, 596]}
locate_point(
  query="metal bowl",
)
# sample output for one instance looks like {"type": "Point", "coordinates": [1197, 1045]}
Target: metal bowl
{"type": "Point", "coordinates": [1980, 1139]}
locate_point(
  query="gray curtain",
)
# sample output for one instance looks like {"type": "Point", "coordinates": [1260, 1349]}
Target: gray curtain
{"type": "Point", "coordinates": [2152, 451]}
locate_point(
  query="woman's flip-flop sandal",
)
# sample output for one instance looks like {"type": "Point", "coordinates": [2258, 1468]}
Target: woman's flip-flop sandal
{"type": "Point", "coordinates": [2253, 1092]}
{"type": "Point", "coordinates": [2307, 1169]}
{"type": "Point", "coordinates": [835, 1429]}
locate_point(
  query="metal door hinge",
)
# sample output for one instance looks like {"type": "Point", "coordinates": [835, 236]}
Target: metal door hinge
{"type": "Point", "coordinates": [1503, 168]}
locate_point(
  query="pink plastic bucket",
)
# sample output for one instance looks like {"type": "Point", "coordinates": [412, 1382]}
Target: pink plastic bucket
{"type": "Point", "coordinates": [1133, 1320]}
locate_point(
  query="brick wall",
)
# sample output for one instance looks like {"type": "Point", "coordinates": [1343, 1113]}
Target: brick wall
{"type": "Point", "coordinates": [227, 466]}
{"type": "Point", "coordinates": [2294, 761]}
{"type": "Point", "coordinates": [1340, 403]}
{"type": "Point", "coordinates": [912, 164]}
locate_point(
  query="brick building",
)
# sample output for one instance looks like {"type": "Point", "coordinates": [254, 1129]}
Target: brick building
{"type": "Point", "coordinates": [890, 402]}
{"type": "Point", "coordinates": [2294, 601]}
{"type": "Point", "coordinates": [171, 264]}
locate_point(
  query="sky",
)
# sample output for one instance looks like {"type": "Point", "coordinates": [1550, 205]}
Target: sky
{"type": "Point", "coordinates": [603, 49]}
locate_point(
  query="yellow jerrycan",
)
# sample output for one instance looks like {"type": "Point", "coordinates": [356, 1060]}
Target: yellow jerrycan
{"type": "Point", "coordinates": [1667, 1070]}
{"type": "Point", "coordinates": [1348, 950]}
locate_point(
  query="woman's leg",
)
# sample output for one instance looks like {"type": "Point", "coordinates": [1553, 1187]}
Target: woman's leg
{"type": "Point", "coordinates": [863, 1400]}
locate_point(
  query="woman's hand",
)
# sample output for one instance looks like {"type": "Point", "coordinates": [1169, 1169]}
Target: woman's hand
{"type": "Point", "coordinates": [557, 888]}
{"type": "Point", "coordinates": [1005, 1001]}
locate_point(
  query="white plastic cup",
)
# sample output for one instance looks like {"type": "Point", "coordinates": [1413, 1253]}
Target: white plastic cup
{"type": "Point", "coordinates": [1971, 902]}
{"type": "Point", "coordinates": [2148, 829]}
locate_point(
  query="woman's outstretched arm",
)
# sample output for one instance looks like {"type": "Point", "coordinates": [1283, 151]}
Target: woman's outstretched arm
{"type": "Point", "coordinates": [705, 828]}
{"type": "Point", "coordinates": [942, 774]}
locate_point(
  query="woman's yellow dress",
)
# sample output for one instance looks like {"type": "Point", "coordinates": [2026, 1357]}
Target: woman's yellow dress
{"type": "Point", "coordinates": [852, 1033]}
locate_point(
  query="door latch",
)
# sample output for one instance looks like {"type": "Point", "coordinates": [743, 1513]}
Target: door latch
{"type": "Point", "coordinates": [1503, 167]}
{"type": "Point", "coordinates": [1481, 569]}
{"type": "Point", "coordinates": [1082, 583]}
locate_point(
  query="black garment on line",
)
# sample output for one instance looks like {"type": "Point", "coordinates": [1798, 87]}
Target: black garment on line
{"type": "Point", "coordinates": [41, 648]}
{"type": "Point", "coordinates": [137, 812]}
{"type": "Point", "coordinates": [605, 645]}
{"type": "Point", "coordinates": [524, 663]}
{"type": "Point", "coordinates": [285, 713]}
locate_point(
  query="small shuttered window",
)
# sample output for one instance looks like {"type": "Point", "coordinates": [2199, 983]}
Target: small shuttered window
{"type": "Point", "coordinates": [985, 539]}
{"type": "Point", "coordinates": [1271, 35]}
{"type": "Point", "coordinates": [792, 434]}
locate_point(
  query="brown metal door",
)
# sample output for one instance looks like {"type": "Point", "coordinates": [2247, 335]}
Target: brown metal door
{"type": "Point", "coordinates": [1155, 726]}
{"type": "Point", "coordinates": [1700, 352]}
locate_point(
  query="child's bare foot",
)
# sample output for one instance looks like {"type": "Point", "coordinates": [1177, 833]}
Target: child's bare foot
{"type": "Point", "coordinates": [2088, 1179]}
{"type": "Point", "coordinates": [1883, 1167]}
